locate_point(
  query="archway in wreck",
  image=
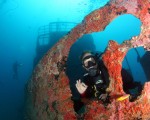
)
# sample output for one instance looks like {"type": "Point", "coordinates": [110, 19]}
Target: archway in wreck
{"type": "Point", "coordinates": [74, 65]}
{"type": "Point", "coordinates": [120, 29]}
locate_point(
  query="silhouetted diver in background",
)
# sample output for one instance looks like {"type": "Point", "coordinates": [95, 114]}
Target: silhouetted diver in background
{"type": "Point", "coordinates": [16, 66]}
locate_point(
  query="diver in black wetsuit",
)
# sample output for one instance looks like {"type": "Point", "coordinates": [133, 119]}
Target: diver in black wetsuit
{"type": "Point", "coordinates": [96, 81]}
{"type": "Point", "coordinates": [16, 66]}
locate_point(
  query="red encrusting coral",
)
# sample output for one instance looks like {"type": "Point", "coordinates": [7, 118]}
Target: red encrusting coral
{"type": "Point", "coordinates": [113, 58]}
{"type": "Point", "coordinates": [49, 92]}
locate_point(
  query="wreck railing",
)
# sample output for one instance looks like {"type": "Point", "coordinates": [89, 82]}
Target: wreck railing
{"type": "Point", "coordinates": [55, 27]}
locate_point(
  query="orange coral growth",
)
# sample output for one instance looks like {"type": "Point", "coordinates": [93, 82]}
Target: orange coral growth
{"type": "Point", "coordinates": [64, 82]}
{"type": "Point", "coordinates": [69, 116]}
{"type": "Point", "coordinates": [112, 59]}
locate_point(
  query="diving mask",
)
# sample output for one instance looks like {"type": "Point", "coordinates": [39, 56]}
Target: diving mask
{"type": "Point", "coordinates": [89, 61]}
{"type": "Point", "coordinates": [90, 64]}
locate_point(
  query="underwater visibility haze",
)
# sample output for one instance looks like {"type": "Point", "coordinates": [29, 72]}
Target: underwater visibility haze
{"type": "Point", "coordinates": [29, 28]}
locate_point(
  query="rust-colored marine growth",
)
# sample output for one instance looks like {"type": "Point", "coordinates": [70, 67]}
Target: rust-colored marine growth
{"type": "Point", "coordinates": [49, 96]}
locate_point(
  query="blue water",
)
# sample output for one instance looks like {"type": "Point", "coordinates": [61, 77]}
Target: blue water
{"type": "Point", "coordinates": [19, 23]}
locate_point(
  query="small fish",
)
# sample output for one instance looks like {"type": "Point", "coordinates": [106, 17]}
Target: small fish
{"type": "Point", "coordinates": [123, 97]}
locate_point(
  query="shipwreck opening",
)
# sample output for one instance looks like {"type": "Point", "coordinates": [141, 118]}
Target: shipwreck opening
{"type": "Point", "coordinates": [135, 64]}
{"type": "Point", "coordinates": [74, 65]}
{"type": "Point", "coordinates": [122, 28]}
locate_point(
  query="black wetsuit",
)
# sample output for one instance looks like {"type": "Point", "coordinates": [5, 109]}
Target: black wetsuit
{"type": "Point", "coordinates": [96, 84]}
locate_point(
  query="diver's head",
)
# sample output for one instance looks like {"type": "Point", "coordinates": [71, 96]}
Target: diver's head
{"type": "Point", "coordinates": [89, 62]}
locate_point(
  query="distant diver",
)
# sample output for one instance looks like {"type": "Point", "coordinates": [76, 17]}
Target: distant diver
{"type": "Point", "coordinates": [16, 66]}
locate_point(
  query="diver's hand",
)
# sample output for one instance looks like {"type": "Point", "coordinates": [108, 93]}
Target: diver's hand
{"type": "Point", "coordinates": [81, 87]}
{"type": "Point", "coordinates": [103, 97]}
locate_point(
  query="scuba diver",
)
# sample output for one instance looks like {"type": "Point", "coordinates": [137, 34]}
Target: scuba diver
{"type": "Point", "coordinates": [16, 66]}
{"type": "Point", "coordinates": [96, 80]}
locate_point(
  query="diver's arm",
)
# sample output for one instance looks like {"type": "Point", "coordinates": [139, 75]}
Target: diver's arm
{"type": "Point", "coordinates": [81, 87]}
{"type": "Point", "coordinates": [84, 89]}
